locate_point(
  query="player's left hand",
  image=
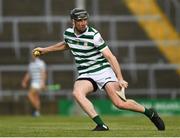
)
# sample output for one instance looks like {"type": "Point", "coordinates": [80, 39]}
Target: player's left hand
{"type": "Point", "coordinates": [123, 83]}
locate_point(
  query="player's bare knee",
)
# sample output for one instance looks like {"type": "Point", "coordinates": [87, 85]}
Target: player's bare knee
{"type": "Point", "coordinates": [29, 94]}
{"type": "Point", "coordinates": [76, 94]}
{"type": "Point", "coordinates": [119, 104]}
{"type": "Point", "coordinates": [116, 104]}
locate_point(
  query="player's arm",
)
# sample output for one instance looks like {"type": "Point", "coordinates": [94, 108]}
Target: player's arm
{"type": "Point", "coordinates": [25, 80]}
{"type": "Point", "coordinates": [115, 66]}
{"type": "Point", "coordinates": [102, 47]}
{"type": "Point", "coordinates": [56, 47]}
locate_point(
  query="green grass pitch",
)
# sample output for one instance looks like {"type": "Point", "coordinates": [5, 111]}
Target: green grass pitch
{"type": "Point", "coordinates": [53, 126]}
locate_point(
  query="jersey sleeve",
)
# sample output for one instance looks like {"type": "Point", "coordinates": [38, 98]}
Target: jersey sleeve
{"type": "Point", "coordinates": [64, 38]}
{"type": "Point", "coordinates": [43, 65]}
{"type": "Point", "coordinates": [99, 42]}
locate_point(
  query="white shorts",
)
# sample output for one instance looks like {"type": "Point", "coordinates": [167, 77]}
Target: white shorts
{"type": "Point", "coordinates": [100, 77]}
{"type": "Point", "coordinates": [36, 85]}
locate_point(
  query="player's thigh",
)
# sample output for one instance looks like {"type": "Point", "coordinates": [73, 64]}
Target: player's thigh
{"type": "Point", "coordinates": [82, 87]}
{"type": "Point", "coordinates": [111, 88]}
{"type": "Point", "coordinates": [34, 92]}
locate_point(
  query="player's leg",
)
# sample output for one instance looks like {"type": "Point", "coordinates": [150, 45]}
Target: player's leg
{"type": "Point", "coordinates": [132, 105]}
{"type": "Point", "coordinates": [34, 99]}
{"type": "Point", "coordinates": [110, 88]}
{"type": "Point", "coordinates": [80, 91]}
{"type": "Point", "coordinates": [37, 100]}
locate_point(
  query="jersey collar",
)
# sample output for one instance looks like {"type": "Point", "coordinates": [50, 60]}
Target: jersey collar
{"type": "Point", "coordinates": [78, 35]}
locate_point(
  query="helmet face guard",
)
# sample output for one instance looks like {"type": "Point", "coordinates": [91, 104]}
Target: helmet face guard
{"type": "Point", "coordinates": [78, 14]}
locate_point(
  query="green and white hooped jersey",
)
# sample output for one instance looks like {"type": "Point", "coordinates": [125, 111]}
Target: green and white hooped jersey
{"type": "Point", "coordinates": [87, 48]}
{"type": "Point", "coordinates": [35, 68]}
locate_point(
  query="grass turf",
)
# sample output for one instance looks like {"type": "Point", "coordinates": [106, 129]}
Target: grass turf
{"type": "Point", "coordinates": [52, 126]}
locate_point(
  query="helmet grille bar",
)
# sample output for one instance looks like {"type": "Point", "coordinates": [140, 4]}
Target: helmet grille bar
{"type": "Point", "coordinates": [78, 14]}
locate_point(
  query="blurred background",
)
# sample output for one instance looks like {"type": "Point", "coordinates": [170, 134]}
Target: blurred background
{"type": "Point", "coordinates": [142, 34]}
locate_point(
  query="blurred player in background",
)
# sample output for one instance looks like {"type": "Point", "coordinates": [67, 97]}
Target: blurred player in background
{"type": "Point", "coordinates": [97, 68]}
{"type": "Point", "coordinates": [36, 75]}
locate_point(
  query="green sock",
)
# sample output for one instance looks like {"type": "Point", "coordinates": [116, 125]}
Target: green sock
{"type": "Point", "coordinates": [98, 120]}
{"type": "Point", "coordinates": [148, 112]}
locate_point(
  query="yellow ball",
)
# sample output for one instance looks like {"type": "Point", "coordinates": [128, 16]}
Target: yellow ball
{"type": "Point", "coordinates": [37, 53]}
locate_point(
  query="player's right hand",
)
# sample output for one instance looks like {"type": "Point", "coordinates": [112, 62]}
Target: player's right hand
{"type": "Point", "coordinates": [123, 83]}
{"type": "Point", "coordinates": [38, 51]}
